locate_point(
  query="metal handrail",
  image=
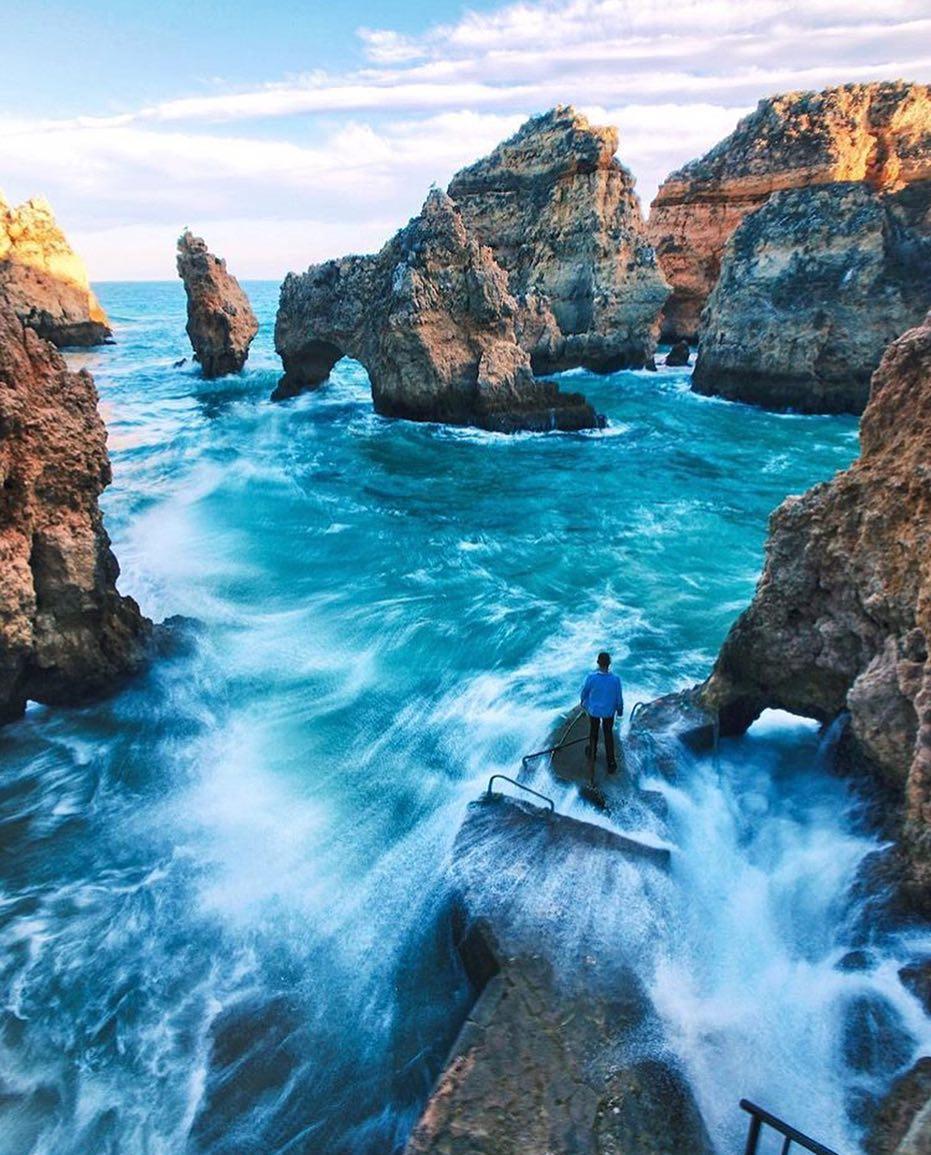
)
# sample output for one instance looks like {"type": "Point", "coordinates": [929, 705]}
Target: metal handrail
{"type": "Point", "coordinates": [527, 758]}
{"type": "Point", "coordinates": [513, 781]}
{"type": "Point", "coordinates": [759, 1117]}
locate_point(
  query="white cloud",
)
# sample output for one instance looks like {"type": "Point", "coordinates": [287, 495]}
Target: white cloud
{"type": "Point", "coordinates": [311, 165]}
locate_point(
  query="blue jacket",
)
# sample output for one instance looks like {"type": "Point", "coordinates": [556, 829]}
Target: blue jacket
{"type": "Point", "coordinates": [602, 696]}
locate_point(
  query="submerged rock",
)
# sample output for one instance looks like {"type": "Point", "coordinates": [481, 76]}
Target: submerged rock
{"type": "Point", "coordinates": [560, 214]}
{"type": "Point", "coordinates": [220, 320]}
{"type": "Point", "coordinates": [66, 634]}
{"type": "Point", "coordinates": [563, 1050]}
{"type": "Point", "coordinates": [44, 281]}
{"type": "Point", "coordinates": [813, 287]}
{"type": "Point", "coordinates": [841, 618]}
{"type": "Point", "coordinates": [876, 133]}
{"type": "Point", "coordinates": [433, 322]}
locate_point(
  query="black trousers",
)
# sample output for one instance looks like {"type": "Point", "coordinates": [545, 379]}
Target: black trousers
{"type": "Point", "coordinates": [607, 725]}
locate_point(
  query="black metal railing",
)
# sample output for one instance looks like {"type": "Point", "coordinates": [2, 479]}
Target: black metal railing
{"type": "Point", "coordinates": [760, 1118]}
{"type": "Point", "coordinates": [528, 758]}
{"type": "Point", "coordinates": [489, 793]}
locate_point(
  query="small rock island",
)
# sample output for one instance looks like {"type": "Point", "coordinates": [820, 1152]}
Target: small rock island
{"type": "Point", "coordinates": [220, 320]}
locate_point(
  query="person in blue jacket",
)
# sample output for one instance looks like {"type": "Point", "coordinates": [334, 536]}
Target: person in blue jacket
{"type": "Point", "coordinates": [602, 698]}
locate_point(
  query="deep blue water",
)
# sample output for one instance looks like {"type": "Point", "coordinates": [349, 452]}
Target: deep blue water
{"type": "Point", "coordinates": [220, 926]}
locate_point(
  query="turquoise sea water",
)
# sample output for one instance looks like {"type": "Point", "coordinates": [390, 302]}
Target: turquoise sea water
{"type": "Point", "coordinates": [220, 922]}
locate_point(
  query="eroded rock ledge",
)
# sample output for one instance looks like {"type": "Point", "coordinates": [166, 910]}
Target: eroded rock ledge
{"type": "Point", "coordinates": [813, 287]}
{"type": "Point", "coordinates": [44, 281]}
{"type": "Point", "coordinates": [560, 214]}
{"type": "Point", "coordinates": [841, 618]}
{"type": "Point", "coordinates": [66, 634]}
{"type": "Point", "coordinates": [563, 1051]}
{"type": "Point", "coordinates": [878, 133]}
{"type": "Point", "coordinates": [432, 320]}
{"type": "Point", "coordinates": [220, 320]}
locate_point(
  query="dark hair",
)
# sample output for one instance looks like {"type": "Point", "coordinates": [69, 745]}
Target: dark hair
{"type": "Point", "coordinates": [604, 658]}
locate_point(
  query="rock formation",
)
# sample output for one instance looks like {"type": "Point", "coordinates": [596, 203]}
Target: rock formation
{"type": "Point", "coordinates": [562, 1051]}
{"type": "Point", "coordinates": [66, 635]}
{"type": "Point", "coordinates": [877, 133]}
{"type": "Point", "coordinates": [432, 320]}
{"type": "Point", "coordinates": [678, 355]}
{"type": "Point", "coordinates": [813, 287]}
{"type": "Point", "coordinates": [44, 280]}
{"type": "Point", "coordinates": [841, 619]}
{"type": "Point", "coordinates": [560, 214]}
{"type": "Point", "coordinates": [902, 1125]}
{"type": "Point", "coordinates": [220, 321]}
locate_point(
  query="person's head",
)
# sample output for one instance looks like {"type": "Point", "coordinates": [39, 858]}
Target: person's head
{"type": "Point", "coordinates": [604, 660]}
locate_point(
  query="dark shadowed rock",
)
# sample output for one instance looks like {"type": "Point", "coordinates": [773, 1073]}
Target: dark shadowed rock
{"type": "Point", "coordinates": [875, 1041]}
{"type": "Point", "coordinates": [433, 322]}
{"type": "Point", "coordinates": [902, 1124]}
{"type": "Point", "coordinates": [560, 214]}
{"type": "Point", "coordinates": [812, 289]}
{"type": "Point", "coordinates": [44, 281]}
{"type": "Point", "coordinates": [678, 355]}
{"type": "Point", "coordinates": [552, 1056]}
{"type": "Point", "coordinates": [66, 634]}
{"type": "Point", "coordinates": [916, 976]}
{"type": "Point", "coordinates": [876, 133]}
{"type": "Point", "coordinates": [841, 618]}
{"type": "Point", "coordinates": [220, 320]}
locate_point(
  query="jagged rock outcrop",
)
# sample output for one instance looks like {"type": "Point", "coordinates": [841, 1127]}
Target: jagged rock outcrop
{"type": "Point", "coordinates": [877, 133]}
{"type": "Point", "coordinates": [678, 355]}
{"type": "Point", "coordinates": [563, 1051]}
{"type": "Point", "coordinates": [560, 214]}
{"type": "Point", "coordinates": [220, 320]}
{"type": "Point", "coordinates": [813, 287]}
{"type": "Point", "coordinates": [432, 320]}
{"type": "Point", "coordinates": [841, 618]}
{"type": "Point", "coordinates": [44, 281]}
{"type": "Point", "coordinates": [66, 634]}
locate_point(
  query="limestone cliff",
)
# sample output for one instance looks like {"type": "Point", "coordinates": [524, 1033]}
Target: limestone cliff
{"type": "Point", "coordinates": [560, 214]}
{"type": "Point", "coordinates": [813, 287]}
{"type": "Point", "coordinates": [841, 619]}
{"type": "Point", "coordinates": [220, 320]}
{"type": "Point", "coordinates": [432, 320]}
{"type": "Point", "coordinates": [66, 634]}
{"type": "Point", "coordinates": [44, 280]}
{"type": "Point", "coordinates": [876, 133]}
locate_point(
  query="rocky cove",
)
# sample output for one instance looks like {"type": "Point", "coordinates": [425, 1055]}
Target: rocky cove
{"type": "Point", "coordinates": [287, 781]}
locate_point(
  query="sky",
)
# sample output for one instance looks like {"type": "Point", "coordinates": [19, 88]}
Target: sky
{"type": "Point", "coordinates": [288, 133]}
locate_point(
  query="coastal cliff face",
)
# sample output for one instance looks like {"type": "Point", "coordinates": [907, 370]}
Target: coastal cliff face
{"type": "Point", "coordinates": [220, 320]}
{"type": "Point", "coordinates": [66, 634]}
{"type": "Point", "coordinates": [560, 214]}
{"type": "Point", "coordinates": [44, 280]}
{"type": "Point", "coordinates": [878, 133]}
{"type": "Point", "coordinates": [841, 619]}
{"type": "Point", "coordinates": [433, 322]}
{"type": "Point", "coordinates": [813, 287]}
